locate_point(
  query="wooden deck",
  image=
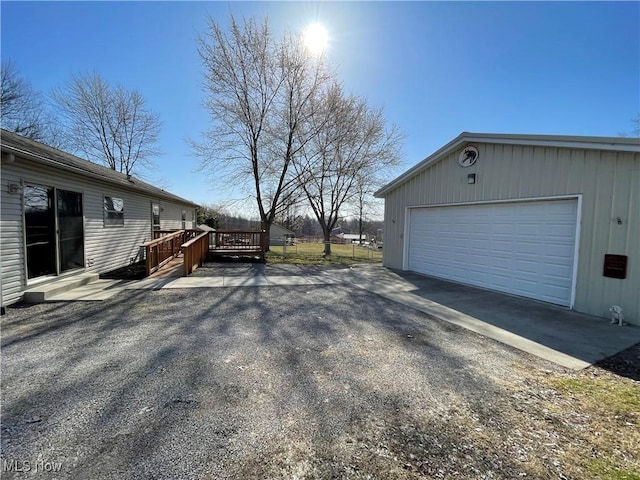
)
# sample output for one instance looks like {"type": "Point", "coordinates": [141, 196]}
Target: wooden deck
{"type": "Point", "coordinates": [172, 269]}
{"type": "Point", "coordinates": [174, 253]}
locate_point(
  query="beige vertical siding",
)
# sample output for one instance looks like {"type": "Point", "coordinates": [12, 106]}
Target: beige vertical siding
{"type": "Point", "coordinates": [106, 248]}
{"type": "Point", "coordinates": [608, 181]}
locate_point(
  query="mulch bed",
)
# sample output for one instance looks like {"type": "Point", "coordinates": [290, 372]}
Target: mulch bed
{"type": "Point", "coordinates": [135, 271]}
{"type": "Point", "coordinates": [625, 363]}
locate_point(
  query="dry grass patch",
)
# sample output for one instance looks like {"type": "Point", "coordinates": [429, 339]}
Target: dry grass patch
{"type": "Point", "coordinates": [608, 442]}
{"type": "Point", "coordinates": [313, 254]}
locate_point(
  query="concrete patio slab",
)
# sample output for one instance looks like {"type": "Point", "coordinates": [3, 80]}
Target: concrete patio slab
{"type": "Point", "coordinates": [150, 283]}
{"type": "Point", "coordinates": [195, 282]}
{"type": "Point", "coordinates": [46, 291]}
{"type": "Point", "coordinates": [94, 291]}
{"type": "Point", "coordinates": [257, 281]}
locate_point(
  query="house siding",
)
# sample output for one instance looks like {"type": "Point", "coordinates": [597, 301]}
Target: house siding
{"type": "Point", "coordinates": [11, 244]}
{"type": "Point", "coordinates": [105, 248]}
{"type": "Point", "coordinates": [171, 216]}
{"type": "Point", "coordinates": [608, 181]}
{"type": "Point", "coordinates": [277, 235]}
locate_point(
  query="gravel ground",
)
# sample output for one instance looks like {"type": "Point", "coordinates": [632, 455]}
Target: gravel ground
{"type": "Point", "coordinates": [268, 382]}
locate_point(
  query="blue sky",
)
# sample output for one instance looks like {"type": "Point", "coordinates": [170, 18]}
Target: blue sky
{"type": "Point", "coordinates": [436, 68]}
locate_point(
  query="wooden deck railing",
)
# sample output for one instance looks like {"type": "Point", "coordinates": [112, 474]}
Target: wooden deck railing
{"type": "Point", "coordinates": [238, 240]}
{"type": "Point", "coordinates": [188, 233]}
{"type": "Point", "coordinates": [160, 251]}
{"type": "Point", "coordinates": [195, 251]}
{"type": "Point", "coordinates": [196, 245]}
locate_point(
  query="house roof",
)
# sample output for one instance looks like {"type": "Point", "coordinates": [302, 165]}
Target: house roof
{"type": "Point", "coordinates": [286, 230]}
{"type": "Point", "coordinates": [355, 236]}
{"type": "Point", "coordinates": [46, 155]}
{"type": "Point", "coordinates": [621, 144]}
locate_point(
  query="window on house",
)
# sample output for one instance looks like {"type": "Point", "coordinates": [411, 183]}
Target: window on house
{"type": "Point", "coordinates": [184, 219]}
{"type": "Point", "coordinates": [155, 216]}
{"type": "Point", "coordinates": [113, 215]}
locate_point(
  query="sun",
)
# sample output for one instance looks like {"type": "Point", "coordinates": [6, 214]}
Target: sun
{"type": "Point", "coordinates": [316, 38]}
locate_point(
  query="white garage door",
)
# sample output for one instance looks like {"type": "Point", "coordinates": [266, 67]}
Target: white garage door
{"type": "Point", "coordinates": [524, 248]}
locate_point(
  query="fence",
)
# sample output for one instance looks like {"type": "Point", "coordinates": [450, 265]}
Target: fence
{"type": "Point", "coordinates": [316, 249]}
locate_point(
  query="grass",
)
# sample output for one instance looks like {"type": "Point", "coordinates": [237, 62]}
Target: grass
{"type": "Point", "coordinates": [313, 254]}
{"type": "Point", "coordinates": [605, 469]}
{"type": "Point", "coordinates": [613, 405]}
{"type": "Point", "coordinates": [617, 398]}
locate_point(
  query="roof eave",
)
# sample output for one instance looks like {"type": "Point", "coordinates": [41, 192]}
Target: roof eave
{"type": "Point", "coordinates": [50, 162]}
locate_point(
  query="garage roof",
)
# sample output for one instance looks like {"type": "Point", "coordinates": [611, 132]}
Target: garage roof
{"type": "Point", "coordinates": [620, 144]}
{"type": "Point", "coordinates": [44, 154]}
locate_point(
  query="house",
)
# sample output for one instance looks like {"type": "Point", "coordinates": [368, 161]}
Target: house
{"type": "Point", "coordinates": [63, 216]}
{"type": "Point", "coordinates": [278, 235]}
{"type": "Point", "coordinates": [553, 218]}
{"type": "Point", "coordinates": [348, 238]}
{"type": "Point", "coordinates": [354, 238]}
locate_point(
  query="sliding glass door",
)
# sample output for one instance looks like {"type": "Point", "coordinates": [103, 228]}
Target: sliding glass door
{"type": "Point", "coordinates": [54, 230]}
{"type": "Point", "coordinates": [40, 231]}
{"type": "Point", "coordinates": [70, 230]}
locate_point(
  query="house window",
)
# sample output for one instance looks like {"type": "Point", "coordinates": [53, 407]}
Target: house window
{"type": "Point", "coordinates": [113, 215]}
{"type": "Point", "coordinates": [184, 219]}
{"type": "Point", "coordinates": [155, 216]}
{"type": "Point", "coordinates": [193, 219]}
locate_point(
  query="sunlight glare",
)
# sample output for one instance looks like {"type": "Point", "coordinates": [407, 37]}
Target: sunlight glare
{"type": "Point", "coordinates": [316, 38]}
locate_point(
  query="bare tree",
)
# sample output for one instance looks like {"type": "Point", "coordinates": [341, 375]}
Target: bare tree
{"type": "Point", "coordinates": [635, 128]}
{"type": "Point", "coordinates": [259, 92]}
{"type": "Point", "coordinates": [24, 110]}
{"type": "Point", "coordinates": [352, 148]}
{"type": "Point", "coordinates": [109, 125]}
{"type": "Point", "coordinates": [363, 201]}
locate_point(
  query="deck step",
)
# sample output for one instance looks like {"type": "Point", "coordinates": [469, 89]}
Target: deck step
{"type": "Point", "coordinates": [42, 293]}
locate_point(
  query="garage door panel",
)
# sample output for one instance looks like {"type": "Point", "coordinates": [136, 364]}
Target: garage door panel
{"type": "Point", "coordinates": [561, 271]}
{"type": "Point", "coordinates": [524, 248]}
{"type": "Point", "coordinates": [562, 231]}
{"type": "Point", "coordinates": [527, 267]}
{"type": "Point", "coordinates": [553, 290]}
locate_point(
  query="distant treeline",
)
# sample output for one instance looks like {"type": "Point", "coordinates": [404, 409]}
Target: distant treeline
{"type": "Point", "coordinates": [301, 225]}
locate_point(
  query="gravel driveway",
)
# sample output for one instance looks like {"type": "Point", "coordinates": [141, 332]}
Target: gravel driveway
{"type": "Point", "coordinates": [261, 382]}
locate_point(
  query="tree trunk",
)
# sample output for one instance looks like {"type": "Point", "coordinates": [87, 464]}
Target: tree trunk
{"type": "Point", "coordinates": [266, 226]}
{"type": "Point", "coordinates": [327, 244]}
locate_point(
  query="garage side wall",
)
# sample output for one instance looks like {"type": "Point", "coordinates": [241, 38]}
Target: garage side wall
{"type": "Point", "coordinates": [609, 182]}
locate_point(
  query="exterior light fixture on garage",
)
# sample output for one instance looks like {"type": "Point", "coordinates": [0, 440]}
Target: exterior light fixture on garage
{"type": "Point", "coordinates": [471, 178]}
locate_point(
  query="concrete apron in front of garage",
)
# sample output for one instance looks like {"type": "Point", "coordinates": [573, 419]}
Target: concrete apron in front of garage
{"type": "Point", "coordinates": [562, 336]}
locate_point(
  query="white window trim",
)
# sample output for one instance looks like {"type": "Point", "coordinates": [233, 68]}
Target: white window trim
{"type": "Point", "coordinates": [117, 225]}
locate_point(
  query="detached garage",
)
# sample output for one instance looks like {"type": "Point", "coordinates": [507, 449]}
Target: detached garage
{"type": "Point", "coordinates": [552, 218]}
